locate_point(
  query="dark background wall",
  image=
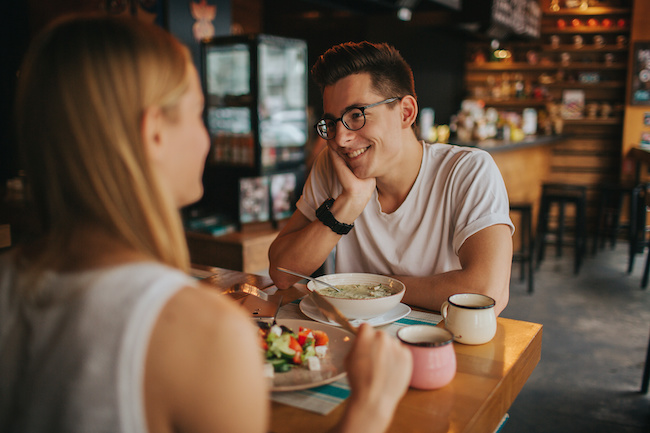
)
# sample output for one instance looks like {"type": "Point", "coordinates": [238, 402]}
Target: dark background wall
{"type": "Point", "coordinates": [435, 52]}
{"type": "Point", "coordinates": [14, 32]}
{"type": "Point", "coordinates": [180, 22]}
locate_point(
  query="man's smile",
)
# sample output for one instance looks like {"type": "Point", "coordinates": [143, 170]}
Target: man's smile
{"type": "Point", "coordinates": [357, 152]}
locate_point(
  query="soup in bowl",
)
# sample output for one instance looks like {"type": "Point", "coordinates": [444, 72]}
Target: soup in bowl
{"type": "Point", "coordinates": [362, 296]}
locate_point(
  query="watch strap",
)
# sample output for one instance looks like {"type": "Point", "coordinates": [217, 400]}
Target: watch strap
{"type": "Point", "coordinates": [324, 214]}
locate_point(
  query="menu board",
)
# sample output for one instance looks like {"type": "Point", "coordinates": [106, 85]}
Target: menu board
{"type": "Point", "coordinates": [521, 17]}
{"type": "Point", "coordinates": [640, 87]}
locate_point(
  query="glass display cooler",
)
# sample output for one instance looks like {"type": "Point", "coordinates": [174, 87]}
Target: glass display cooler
{"type": "Point", "coordinates": [256, 113]}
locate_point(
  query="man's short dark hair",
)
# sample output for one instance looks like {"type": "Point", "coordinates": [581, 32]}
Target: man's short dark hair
{"type": "Point", "coordinates": [390, 74]}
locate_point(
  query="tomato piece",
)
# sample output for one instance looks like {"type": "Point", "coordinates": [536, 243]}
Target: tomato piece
{"type": "Point", "coordinates": [321, 338]}
{"type": "Point", "coordinates": [304, 336]}
{"type": "Point", "coordinates": [293, 344]}
{"type": "Point", "coordinates": [263, 343]}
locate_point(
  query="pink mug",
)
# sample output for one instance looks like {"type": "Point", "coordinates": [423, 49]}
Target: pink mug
{"type": "Point", "coordinates": [434, 359]}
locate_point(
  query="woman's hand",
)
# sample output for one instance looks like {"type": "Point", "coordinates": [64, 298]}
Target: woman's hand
{"type": "Point", "coordinates": [379, 371]}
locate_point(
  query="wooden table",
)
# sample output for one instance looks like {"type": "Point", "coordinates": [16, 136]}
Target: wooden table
{"type": "Point", "coordinates": [244, 251]}
{"type": "Point", "coordinates": [488, 379]}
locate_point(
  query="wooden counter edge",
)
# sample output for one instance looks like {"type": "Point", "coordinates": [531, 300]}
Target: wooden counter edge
{"type": "Point", "coordinates": [492, 412]}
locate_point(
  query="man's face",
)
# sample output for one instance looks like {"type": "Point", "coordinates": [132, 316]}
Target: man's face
{"type": "Point", "coordinates": [373, 150]}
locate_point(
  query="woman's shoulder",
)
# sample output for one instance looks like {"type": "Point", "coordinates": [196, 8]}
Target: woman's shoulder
{"type": "Point", "coordinates": [205, 303]}
{"type": "Point", "coordinates": [204, 349]}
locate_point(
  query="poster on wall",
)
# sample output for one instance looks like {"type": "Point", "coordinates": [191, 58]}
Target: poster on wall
{"type": "Point", "coordinates": [254, 199]}
{"type": "Point", "coordinates": [640, 86]}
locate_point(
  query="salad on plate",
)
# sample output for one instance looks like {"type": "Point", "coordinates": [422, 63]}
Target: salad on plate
{"type": "Point", "coordinates": [286, 349]}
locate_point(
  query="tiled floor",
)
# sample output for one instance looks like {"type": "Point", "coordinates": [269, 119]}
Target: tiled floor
{"type": "Point", "coordinates": [596, 328]}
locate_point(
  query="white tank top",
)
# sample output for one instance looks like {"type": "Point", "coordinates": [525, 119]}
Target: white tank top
{"type": "Point", "coordinates": [76, 363]}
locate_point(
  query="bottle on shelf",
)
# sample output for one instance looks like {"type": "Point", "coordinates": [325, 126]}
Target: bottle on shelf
{"type": "Point", "coordinates": [519, 86]}
{"type": "Point", "coordinates": [506, 89]}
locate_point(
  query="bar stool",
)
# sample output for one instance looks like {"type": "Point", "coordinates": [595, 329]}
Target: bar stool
{"type": "Point", "coordinates": [638, 227]}
{"type": "Point", "coordinates": [608, 221]}
{"type": "Point", "coordinates": [646, 371]}
{"type": "Point", "coordinates": [526, 251]}
{"type": "Point", "coordinates": [563, 194]}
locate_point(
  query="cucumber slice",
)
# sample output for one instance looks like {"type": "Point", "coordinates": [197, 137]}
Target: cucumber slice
{"type": "Point", "coordinates": [280, 365]}
{"type": "Point", "coordinates": [279, 348]}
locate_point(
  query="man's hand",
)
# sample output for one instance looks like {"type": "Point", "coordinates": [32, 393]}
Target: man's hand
{"type": "Point", "coordinates": [357, 190]}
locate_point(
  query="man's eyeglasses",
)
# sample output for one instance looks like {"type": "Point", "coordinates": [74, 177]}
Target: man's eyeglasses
{"type": "Point", "coordinates": [353, 119]}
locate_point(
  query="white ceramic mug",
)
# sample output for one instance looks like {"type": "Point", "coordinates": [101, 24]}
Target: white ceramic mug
{"type": "Point", "coordinates": [470, 317]}
{"type": "Point", "coordinates": [434, 358]}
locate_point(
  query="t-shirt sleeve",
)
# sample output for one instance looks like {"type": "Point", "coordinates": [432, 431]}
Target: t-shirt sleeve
{"type": "Point", "coordinates": [481, 197]}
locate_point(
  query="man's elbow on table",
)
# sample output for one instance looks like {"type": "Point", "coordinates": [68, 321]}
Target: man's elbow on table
{"type": "Point", "coordinates": [501, 299]}
{"type": "Point", "coordinates": [282, 280]}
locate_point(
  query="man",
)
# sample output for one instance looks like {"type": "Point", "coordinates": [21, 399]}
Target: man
{"type": "Point", "coordinates": [434, 216]}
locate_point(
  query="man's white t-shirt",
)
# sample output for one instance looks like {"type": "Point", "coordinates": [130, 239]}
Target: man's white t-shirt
{"type": "Point", "coordinates": [458, 192]}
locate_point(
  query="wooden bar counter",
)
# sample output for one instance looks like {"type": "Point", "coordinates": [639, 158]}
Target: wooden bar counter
{"type": "Point", "coordinates": [488, 379]}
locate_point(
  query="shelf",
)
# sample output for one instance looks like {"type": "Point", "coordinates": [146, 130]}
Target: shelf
{"type": "Point", "coordinates": [583, 30]}
{"type": "Point", "coordinates": [598, 86]}
{"type": "Point", "coordinates": [514, 66]}
{"type": "Point", "coordinates": [518, 103]}
{"type": "Point", "coordinates": [595, 121]}
{"type": "Point", "coordinates": [591, 11]}
{"type": "Point", "coordinates": [521, 66]}
{"type": "Point", "coordinates": [589, 141]}
{"type": "Point", "coordinates": [585, 49]}
{"type": "Point", "coordinates": [593, 65]}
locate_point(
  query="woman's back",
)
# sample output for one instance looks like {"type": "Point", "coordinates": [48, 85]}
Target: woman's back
{"type": "Point", "coordinates": [74, 360]}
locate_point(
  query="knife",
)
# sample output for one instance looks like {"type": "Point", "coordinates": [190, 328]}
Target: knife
{"type": "Point", "coordinates": [248, 289]}
{"type": "Point", "coordinates": [331, 312]}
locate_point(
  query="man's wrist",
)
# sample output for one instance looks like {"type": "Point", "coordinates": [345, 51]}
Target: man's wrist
{"type": "Point", "coordinates": [324, 214]}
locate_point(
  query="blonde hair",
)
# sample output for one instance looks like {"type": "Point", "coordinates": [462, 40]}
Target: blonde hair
{"type": "Point", "coordinates": [83, 90]}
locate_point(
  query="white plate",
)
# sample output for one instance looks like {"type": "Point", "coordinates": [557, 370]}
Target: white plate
{"type": "Point", "coordinates": [332, 366]}
{"type": "Point", "coordinates": [310, 310]}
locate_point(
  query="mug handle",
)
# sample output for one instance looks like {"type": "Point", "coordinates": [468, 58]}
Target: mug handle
{"type": "Point", "coordinates": [443, 310]}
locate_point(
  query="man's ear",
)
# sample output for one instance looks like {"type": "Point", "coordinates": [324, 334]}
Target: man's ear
{"type": "Point", "coordinates": [151, 130]}
{"type": "Point", "coordinates": [409, 110]}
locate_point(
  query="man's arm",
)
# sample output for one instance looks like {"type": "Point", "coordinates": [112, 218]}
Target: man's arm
{"type": "Point", "coordinates": [301, 246]}
{"type": "Point", "coordinates": [486, 260]}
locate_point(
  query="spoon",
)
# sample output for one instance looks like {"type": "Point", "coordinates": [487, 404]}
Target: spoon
{"type": "Point", "coordinates": [307, 278]}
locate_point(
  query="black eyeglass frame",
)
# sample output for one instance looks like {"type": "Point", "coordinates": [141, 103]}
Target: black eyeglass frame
{"type": "Point", "coordinates": [363, 109]}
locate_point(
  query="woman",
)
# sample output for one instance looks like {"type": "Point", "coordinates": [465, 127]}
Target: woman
{"type": "Point", "coordinates": [101, 328]}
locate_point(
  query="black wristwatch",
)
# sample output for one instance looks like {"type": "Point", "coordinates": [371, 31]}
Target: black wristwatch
{"type": "Point", "coordinates": [324, 214]}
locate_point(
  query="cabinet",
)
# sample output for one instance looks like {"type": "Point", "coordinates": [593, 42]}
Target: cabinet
{"type": "Point", "coordinates": [256, 114]}
{"type": "Point", "coordinates": [574, 75]}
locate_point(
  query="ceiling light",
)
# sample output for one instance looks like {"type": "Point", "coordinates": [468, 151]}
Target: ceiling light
{"type": "Point", "coordinates": [404, 14]}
